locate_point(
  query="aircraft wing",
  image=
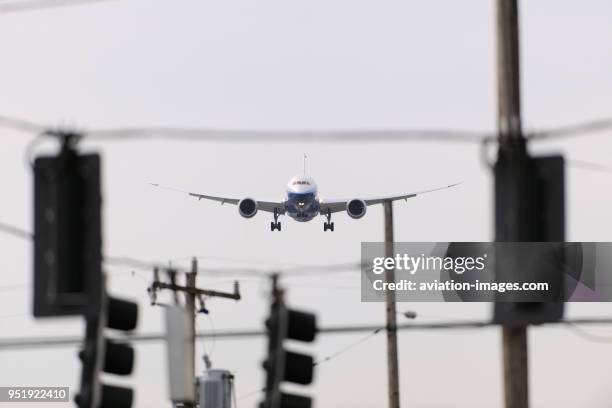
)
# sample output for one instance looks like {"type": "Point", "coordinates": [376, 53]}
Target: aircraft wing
{"type": "Point", "coordinates": [340, 205]}
{"type": "Point", "coordinates": [268, 206]}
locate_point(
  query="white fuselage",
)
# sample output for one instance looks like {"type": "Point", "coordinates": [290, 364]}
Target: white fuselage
{"type": "Point", "coordinates": [302, 203]}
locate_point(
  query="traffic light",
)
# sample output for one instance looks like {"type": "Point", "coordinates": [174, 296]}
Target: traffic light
{"type": "Point", "coordinates": [68, 278]}
{"type": "Point", "coordinates": [101, 354]}
{"type": "Point", "coordinates": [67, 232]}
{"type": "Point", "coordinates": [538, 186]}
{"type": "Point", "coordinates": [283, 365]}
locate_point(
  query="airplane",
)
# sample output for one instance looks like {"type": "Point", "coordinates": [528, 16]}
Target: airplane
{"type": "Point", "coordinates": [302, 203]}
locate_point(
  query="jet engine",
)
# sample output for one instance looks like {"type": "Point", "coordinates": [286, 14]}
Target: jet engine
{"type": "Point", "coordinates": [356, 208]}
{"type": "Point", "coordinates": [247, 207]}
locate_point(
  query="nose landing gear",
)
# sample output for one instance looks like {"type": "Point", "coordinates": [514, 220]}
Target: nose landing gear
{"type": "Point", "coordinates": [328, 225]}
{"type": "Point", "coordinates": [275, 225]}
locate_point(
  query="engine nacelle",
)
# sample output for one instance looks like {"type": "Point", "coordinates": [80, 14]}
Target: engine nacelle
{"type": "Point", "coordinates": [247, 207]}
{"type": "Point", "coordinates": [356, 208]}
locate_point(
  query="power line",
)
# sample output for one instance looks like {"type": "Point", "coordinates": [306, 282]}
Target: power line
{"type": "Point", "coordinates": [39, 342]}
{"type": "Point", "coordinates": [252, 394]}
{"type": "Point", "coordinates": [21, 125]}
{"type": "Point", "coordinates": [140, 264]}
{"type": "Point", "coordinates": [236, 271]}
{"type": "Point", "coordinates": [15, 231]}
{"type": "Point", "coordinates": [340, 135]}
{"type": "Point", "coordinates": [235, 260]}
{"type": "Point", "coordinates": [44, 342]}
{"type": "Point", "coordinates": [300, 285]}
{"type": "Point", "coordinates": [124, 260]}
{"type": "Point", "coordinates": [23, 5]}
{"type": "Point", "coordinates": [594, 126]}
{"type": "Point", "coordinates": [207, 353]}
{"type": "Point", "coordinates": [289, 135]}
{"type": "Point", "coordinates": [251, 135]}
{"type": "Point", "coordinates": [586, 335]}
{"type": "Point", "coordinates": [349, 347]}
{"type": "Point", "coordinates": [129, 261]}
{"type": "Point", "coordinates": [326, 359]}
{"type": "Point", "coordinates": [587, 165]}
{"type": "Point", "coordinates": [308, 270]}
{"type": "Point", "coordinates": [300, 135]}
{"type": "Point", "coordinates": [148, 265]}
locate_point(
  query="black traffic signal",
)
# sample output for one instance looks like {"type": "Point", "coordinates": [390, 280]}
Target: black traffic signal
{"type": "Point", "coordinates": [101, 354]}
{"type": "Point", "coordinates": [68, 278]}
{"type": "Point", "coordinates": [67, 232]}
{"type": "Point", "coordinates": [530, 191]}
{"type": "Point", "coordinates": [283, 365]}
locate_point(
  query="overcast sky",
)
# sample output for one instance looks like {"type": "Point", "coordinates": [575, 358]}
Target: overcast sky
{"type": "Point", "coordinates": [317, 64]}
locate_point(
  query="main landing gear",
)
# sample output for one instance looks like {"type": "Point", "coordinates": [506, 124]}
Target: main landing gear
{"type": "Point", "coordinates": [328, 225]}
{"type": "Point", "coordinates": [275, 225]}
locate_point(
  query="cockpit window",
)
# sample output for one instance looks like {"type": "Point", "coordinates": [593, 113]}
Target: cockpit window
{"type": "Point", "coordinates": [299, 182]}
{"type": "Point", "coordinates": [305, 197]}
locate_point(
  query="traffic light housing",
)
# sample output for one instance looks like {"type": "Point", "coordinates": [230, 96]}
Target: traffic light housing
{"type": "Point", "coordinates": [531, 190]}
{"type": "Point", "coordinates": [100, 354]}
{"type": "Point", "coordinates": [284, 365]}
{"type": "Point", "coordinates": [68, 278]}
{"type": "Point", "coordinates": [67, 233]}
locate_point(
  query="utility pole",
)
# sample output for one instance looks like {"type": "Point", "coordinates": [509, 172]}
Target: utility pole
{"type": "Point", "coordinates": [192, 294]}
{"type": "Point", "coordinates": [190, 305]}
{"type": "Point", "coordinates": [392, 358]}
{"type": "Point", "coordinates": [512, 206]}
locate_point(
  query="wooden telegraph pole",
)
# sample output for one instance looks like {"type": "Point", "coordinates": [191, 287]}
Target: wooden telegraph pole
{"type": "Point", "coordinates": [190, 305]}
{"type": "Point", "coordinates": [511, 217]}
{"type": "Point", "coordinates": [192, 295]}
{"type": "Point", "coordinates": [392, 358]}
